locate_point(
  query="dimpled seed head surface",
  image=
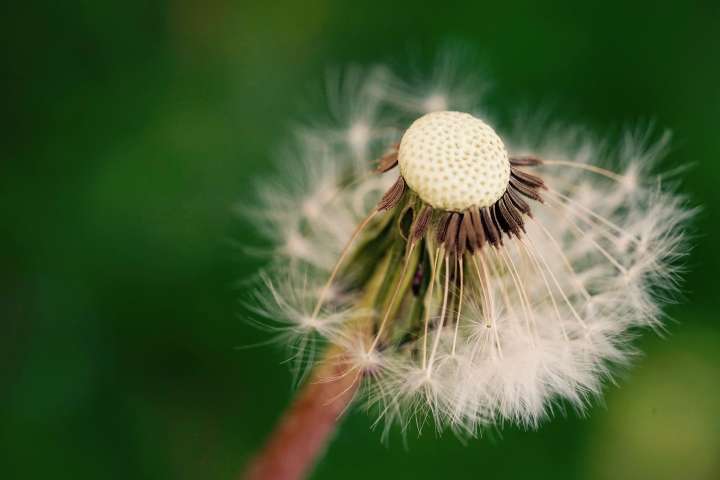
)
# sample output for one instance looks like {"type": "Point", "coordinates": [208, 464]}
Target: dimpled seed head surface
{"type": "Point", "coordinates": [454, 161]}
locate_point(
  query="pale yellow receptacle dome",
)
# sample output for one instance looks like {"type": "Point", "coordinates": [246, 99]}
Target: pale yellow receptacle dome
{"type": "Point", "coordinates": [454, 161]}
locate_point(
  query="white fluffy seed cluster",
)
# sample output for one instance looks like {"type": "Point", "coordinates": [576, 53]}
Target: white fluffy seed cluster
{"type": "Point", "coordinates": [544, 318]}
{"type": "Point", "coordinates": [454, 161]}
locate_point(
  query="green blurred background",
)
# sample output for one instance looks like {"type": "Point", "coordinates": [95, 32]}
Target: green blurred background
{"type": "Point", "coordinates": [132, 128]}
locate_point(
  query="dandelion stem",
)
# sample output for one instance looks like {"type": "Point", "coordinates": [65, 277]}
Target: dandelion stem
{"type": "Point", "coordinates": [303, 433]}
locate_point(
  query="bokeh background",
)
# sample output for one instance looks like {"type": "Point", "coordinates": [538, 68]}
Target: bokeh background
{"type": "Point", "coordinates": [132, 128]}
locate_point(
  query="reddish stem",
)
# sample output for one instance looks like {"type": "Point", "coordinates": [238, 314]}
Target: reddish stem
{"type": "Point", "coordinates": [305, 430]}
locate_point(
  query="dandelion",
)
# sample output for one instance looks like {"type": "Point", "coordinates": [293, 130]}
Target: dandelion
{"type": "Point", "coordinates": [468, 278]}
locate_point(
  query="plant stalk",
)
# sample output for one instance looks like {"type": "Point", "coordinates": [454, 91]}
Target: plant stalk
{"type": "Point", "coordinates": [303, 433]}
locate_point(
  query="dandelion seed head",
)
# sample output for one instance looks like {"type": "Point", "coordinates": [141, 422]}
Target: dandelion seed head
{"type": "Point", "coordinates": [496, 281]}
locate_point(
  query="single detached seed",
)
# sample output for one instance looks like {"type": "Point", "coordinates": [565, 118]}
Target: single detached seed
{"type": "Point", "coordinates": [459, 136]}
